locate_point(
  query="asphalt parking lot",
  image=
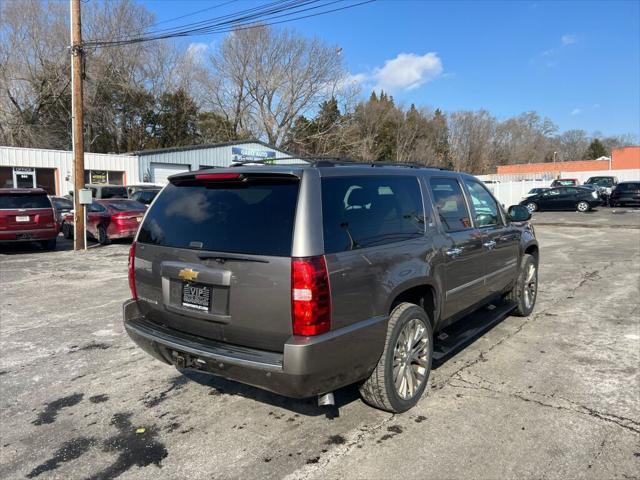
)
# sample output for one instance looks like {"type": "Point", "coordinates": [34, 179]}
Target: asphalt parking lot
{"type": "Point", "coordinates": [555, 395]}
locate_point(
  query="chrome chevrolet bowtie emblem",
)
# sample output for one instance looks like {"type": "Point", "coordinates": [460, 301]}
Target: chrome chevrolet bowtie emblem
{"type": "Point", "coordinates": [188, 275]}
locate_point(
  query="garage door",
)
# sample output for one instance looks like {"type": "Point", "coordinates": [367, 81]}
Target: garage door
{"type": "Point", "coordinates": [161, 171]}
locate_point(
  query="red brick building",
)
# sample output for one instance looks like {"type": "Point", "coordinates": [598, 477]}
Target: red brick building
{"type": "Point", "coordinates": [621, 159]}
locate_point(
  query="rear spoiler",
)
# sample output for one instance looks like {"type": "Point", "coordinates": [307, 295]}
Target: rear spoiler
{"type": "Point", "coordinates": [230, 178]}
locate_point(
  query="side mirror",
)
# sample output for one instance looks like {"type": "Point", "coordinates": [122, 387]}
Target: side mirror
{"type": "Point", "coordinates": [519, 213]}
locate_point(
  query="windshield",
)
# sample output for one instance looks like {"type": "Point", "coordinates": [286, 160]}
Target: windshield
{"type": "Point", "coordinates": [253, 219]}
{"type": "Point", "coordinates": [28, 200]}
{"type": "Point", "coordinates": [601, 182]}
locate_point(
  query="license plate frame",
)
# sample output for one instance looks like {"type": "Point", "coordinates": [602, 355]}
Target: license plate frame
{"type": "Point", "coordinates": [22, 218]}
{"type": "Point", "coordinates": [196, 296]}
{"type": "Point", "coordinates": [24, 236]}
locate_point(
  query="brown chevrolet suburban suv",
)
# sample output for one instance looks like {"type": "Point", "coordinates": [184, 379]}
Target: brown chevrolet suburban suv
{"type": "Point", "coordinates": [304, 278]}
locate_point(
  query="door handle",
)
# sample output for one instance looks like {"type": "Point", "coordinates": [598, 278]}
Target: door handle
{"type": "Point", "coordinates": [490, 244]}
{"type": "Point", "coordinates": [454, 252]}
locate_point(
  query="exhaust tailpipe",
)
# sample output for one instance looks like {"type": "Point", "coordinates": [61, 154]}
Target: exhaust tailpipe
{"type": "Point", "coordinates": [326, 400]}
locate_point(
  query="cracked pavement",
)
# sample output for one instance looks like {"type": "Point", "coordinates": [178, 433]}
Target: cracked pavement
{"type": "Point", "coordinates": [555, 395]}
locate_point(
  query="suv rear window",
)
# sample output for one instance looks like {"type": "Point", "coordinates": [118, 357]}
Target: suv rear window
{"type": "Point", "coordinates": [22, 200]}
{"type": "Point", "coordinates": [359, 212]}
{"type": "Point", "coordinates": [254, 219]}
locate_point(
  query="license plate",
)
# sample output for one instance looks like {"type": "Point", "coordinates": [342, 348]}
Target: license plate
{"type": "Point", "coordinates": [196, 296]}
{"type": "Point", "coordinates": [22, 218]}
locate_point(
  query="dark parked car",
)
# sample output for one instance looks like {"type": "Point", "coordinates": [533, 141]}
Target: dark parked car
{"type": "Point", "coordinates": [109, 219]}
{"type": "Point", "coordinates": [26, 215]}
{"type": "Point", "coordinates": [145, 196]}
{"type": "Point", "coordinates": [625, 193]}
{"type": "Point", "coordinates": [301, 279]}
{"type": "Point", "coordinates": [563, 198]}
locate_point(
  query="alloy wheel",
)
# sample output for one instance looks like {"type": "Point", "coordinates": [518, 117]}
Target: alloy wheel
{"type": "Point", "coordinates": [530, 286]}
{"type": "Point", "coordinates": [532, 207]}
{"type": "Point", "coordinates": [411, 359]}
{"type": "Point", "coordinates": [583, 206]}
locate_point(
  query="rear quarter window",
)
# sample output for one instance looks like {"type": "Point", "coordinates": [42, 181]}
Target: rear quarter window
{"type": "Point", "coordinates": [360, 212]}
{"type": "Point", "coordinates": [255, 219]}
{"type": "Point", "coordinates": [14, 201]}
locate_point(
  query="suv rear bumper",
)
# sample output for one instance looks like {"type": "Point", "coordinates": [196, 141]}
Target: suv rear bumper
{"type": "Point", "coordinates": [28, 235]}
{"type": "Point", "coordinates": [308, 366]}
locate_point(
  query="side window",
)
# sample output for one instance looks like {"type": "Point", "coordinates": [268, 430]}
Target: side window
{"type": "Point", "coordinates": [485, 209]}
{"type": "Point", "coordinates": [552, 193]}
{"type": "Point", "coordinates": [450, 204]}
{"type": "Point", "coordinates": [360, 212]}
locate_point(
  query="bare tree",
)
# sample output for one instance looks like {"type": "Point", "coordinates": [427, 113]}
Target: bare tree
{"type": "Point", "coordinates": [262, 79]}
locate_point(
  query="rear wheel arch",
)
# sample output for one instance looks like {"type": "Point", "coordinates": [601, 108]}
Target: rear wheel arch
{"type": "Point", "coordinates": [423, 295]}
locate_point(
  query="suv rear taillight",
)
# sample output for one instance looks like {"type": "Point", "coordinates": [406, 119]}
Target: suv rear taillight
{"type": "Point", "coordinates": [132, 271]}
{"type": "Point", "coordinates": [310, 296]}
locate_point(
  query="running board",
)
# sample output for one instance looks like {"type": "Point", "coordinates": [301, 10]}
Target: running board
{"type": "Point", "coordinates": [465, 331]}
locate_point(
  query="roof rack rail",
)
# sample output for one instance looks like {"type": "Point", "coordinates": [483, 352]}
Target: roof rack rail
{"type": "Point", "coordinates": [336, 161]}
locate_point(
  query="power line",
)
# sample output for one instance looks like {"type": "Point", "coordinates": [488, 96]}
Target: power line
{"type": "Point", "coordinates": [285, 10]}
{"type": "Point", "coordinates": [258, 11]}
{"type": "Point", "coordinates": [192, 13]}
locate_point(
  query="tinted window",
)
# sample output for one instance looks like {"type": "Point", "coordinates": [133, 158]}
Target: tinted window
{"type": "Point", "coordinates": [145, 196]}
{"type": "Point", "coordinates": [359, 212]}
{"type": "Point", "coordinates": [96, 207]}
{"type": "Point", "coordinates": [124, 205]}
{"type": "Point", "coordinates": [626, 187]}
{"type": "Point", "coordinates": [62, 204]}
{"type": "Point", "coordinates": [252, 219]}
{"type": "Point", "coordinates": [485, 209]}
{"type": "Point", "coordinates": [113, 192]}
{"type": "Point", "coordinates": [450, 204]}
{"type": "Point", "coordinates": [24, 201]}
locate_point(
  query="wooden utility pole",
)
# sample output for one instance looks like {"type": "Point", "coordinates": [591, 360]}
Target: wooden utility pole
{"type": "Point", "coordinates": [76, 124]}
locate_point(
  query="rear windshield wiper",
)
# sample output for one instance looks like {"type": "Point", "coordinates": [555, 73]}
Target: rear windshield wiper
{"type": "Point", "coordinates": [224, 258]}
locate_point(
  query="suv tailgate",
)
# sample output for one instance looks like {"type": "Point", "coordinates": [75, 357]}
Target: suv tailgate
{"type": "Point", "coordinates": [213, 258]}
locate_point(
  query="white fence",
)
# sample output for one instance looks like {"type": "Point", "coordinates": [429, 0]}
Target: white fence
{"type": "Point", "coordinates": [510, 189]}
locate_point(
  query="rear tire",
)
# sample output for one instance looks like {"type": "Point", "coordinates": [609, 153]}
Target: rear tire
{"type": "Point", "coordinates": [583, 206]}
{"type": "Point", "coordinates": [67, 231]}
{"type": "Point", "coordinates": [525, 290]}
{"type": "Point", "coordinates": [49, 244]}
{"type": "Point", "coordinates": [532, 207]}
{"type": "Point", "coordinates": [402, 373]}
{"type": "Point", "coordinates": [103, 239]}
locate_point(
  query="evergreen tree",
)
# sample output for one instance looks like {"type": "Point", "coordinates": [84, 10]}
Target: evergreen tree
{"type": "Point", "coordinates": [596, 150]}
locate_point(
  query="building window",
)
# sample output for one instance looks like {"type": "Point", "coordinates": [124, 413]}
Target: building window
{"type": "Point", "coordinates": [97, 177]}
{"type": "Point", "coordinates": [28, 177]}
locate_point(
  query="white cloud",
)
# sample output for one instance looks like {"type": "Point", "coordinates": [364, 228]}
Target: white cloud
{"type": "Point", "coordinates": [568, 39]}
{"type": "Point", "coordinates": [196, 51]}
{"type": "Point", "coordinates": [576, 111]}
{"type": "Point", "coordinates": [407, 71]}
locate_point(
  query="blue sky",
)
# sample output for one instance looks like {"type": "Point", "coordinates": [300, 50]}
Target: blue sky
{"type": "Point", "coordinates": [576, 62]}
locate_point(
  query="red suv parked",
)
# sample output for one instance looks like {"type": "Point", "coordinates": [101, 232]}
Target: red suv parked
{"type": "Point", "coordinates": [26, 215]}
{"type": "Point", "coordinates": [109, 219]}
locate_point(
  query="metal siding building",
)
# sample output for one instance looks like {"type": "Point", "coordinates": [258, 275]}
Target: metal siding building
{"type": "Point", "coordinates": [53, 169]}
{"type": "Point", "coordinates": [155, 165]}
